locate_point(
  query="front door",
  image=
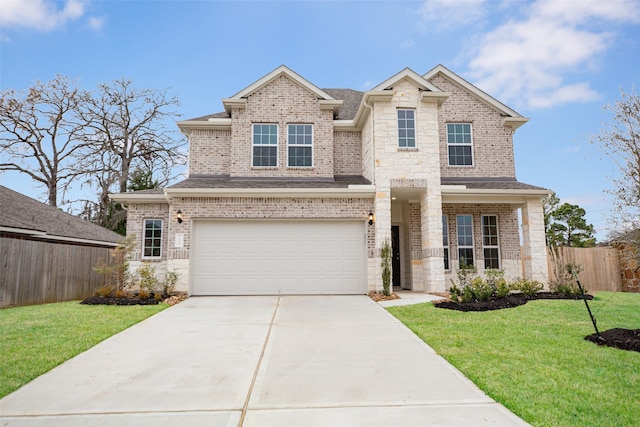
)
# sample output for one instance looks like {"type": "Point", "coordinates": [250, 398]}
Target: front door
{"type": "Point", "coordinates": [395, 247]}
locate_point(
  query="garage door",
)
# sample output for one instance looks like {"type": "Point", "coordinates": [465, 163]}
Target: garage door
{"type": "Point", "coordinates": [261, 257]}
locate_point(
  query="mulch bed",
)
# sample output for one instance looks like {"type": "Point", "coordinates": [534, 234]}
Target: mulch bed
{"type": "Point", "coordinates": [379, 296]}
{"type": "Point", "coordinates": [624, 339]}
{"type": "Point", "coordinates": [97, 300]}
{"type": "Point", "coordinates": [513, 300]}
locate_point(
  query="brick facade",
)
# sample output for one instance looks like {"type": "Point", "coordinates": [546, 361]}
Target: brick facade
{"type": "Point", "coordinates": [407, 181]}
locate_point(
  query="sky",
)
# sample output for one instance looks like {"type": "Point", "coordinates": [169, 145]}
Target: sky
{"type": "Point", "coordinates": [556, 62]}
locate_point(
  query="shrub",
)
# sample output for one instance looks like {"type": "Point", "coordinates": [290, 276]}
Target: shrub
{"type": "Point", "coordinates": [467, 294]}
{"type": "Point", "coordinates": [116, 269]}
{"type": "Point", "coordinates": [144, 294]}
{"type": "Point", "coordinates": [170, 280]}
{"type": "Point", "coordinates": [120, 293]}
{"type": "Point", "coordinates": [146, 275]}
{"type": "Point", "coordinates": [480, 289]}
{"type": "Point", "coordinates": [528, 287]}
{"type": "Point", "coordinates": [385, 256]}
{"type": "Point", "coordinates": [502, 288]}
{"type": "Point", "coordinates": [104, 291]}
{"type": "Point", "coordinates": [454, 292]}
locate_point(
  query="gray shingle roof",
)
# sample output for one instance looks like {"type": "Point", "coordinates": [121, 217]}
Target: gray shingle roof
{"type": "Point", "coordinates": [22, 212]}
{"type": "Point", "coordinates": [227, 182]}
{"type": "Point", "coordinates": [490, 183]}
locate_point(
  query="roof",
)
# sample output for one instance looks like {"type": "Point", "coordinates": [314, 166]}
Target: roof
{"type": "Point", "coordinates": [340, 181]}
{"type": "Point", "coordinates": [24, 215]}
{"type": "Point", "coordinates": [491, 183]}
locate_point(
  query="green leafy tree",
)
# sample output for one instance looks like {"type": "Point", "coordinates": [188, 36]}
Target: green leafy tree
{"type": "Point", "coordinates": [566, 225]}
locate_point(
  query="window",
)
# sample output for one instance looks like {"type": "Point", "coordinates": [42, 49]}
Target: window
{"type": "Point", "coordinates": [464, 224]}
{"type": "Point", "coordinates": [406, 128]}
{"type": "Point", "coordinates": [490, 241]}
{"type": "Point", "coordinates": [300, 141]}
{"type": "Point", "coordinates": [265, 145]}
{"type": "Point", "coordinates": [152, 238]}
{"type": "Point", "coordinates": [459, 143]}
{"type": "Point", "coordinates": [445, 241]}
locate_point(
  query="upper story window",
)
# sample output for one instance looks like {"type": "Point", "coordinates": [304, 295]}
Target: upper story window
{"type": "Point", "coordinates": [459, 143]}
{"type": "Point", "coordinates": [406, 128]}
{"type": "Point", "coordinates": [464, 225]}
{"type": "Point", "coordinates": [300, 145]}
{"type": "Point", "coordinates": [265, 145]}
{"type": "Point", "coordinates": [152, 242]}
{"type": "Point", "coordinates": [490, 241]}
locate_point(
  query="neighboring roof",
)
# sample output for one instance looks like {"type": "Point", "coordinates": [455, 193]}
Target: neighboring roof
{"type": "Point", "coordinates": [24, 215]}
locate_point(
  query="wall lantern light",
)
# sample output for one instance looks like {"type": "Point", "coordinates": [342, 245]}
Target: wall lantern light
{"type": "Point", "coordinates": [370, 217]}
{"type": "Point", "coordinates": [179, 214]}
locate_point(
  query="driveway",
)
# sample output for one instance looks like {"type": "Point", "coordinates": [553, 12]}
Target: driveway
{"type": "Point", "coordinates": [258, 361]}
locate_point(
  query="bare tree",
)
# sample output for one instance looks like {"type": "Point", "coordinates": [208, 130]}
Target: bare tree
{"type": "Point", "coordinates": [128, 129]}
{"type": "Point", "coordinates": [39, 133]}
{"type": "Point", "coordinates": [620, 140]}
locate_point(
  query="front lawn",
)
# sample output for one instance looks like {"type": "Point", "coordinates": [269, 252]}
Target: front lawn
{"type": "Point", "coordinates": [37, 338]}
{"type": "Point", "coordinates": [534, 360]}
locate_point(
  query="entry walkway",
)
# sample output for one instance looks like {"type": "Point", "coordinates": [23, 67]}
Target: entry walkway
{"type": "Point", "coordinates": [258, 361]}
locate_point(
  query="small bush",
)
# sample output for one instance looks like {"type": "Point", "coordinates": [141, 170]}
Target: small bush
{"type": "Point", "coordinates": [454, 292]}
{"type": "Point", "coordinates": [158, 297]}
{"type": "Point", "coordinates": [467, 294]}
{"type": "Point", "coordinates": [480, 289]}
{"type": "Point", "coordinates": [143, 294]}
{"type": "Point", "coordinates": [104, 291]}
{"type": "Point", "coordinates": [147, 279]}
{"type": "Point", "coordinates": [120, 293]}
{"type": "Point", "coordinates": [528, 287]}
{"type": "Point", "coordinates": [502, 288]}
{"type": "Point", "coordinates": [170, 280]}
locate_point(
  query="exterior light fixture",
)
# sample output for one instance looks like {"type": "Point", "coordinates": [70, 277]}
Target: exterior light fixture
{"type": "Point", "coordinates": [370, 217]}
{"type": "Point", "coordinates": [179, 215]}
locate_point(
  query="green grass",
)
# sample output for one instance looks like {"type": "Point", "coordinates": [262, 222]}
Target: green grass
{"type": "Point", "coordinates": [534, 360]}
{"type": "Point", "coordinates": [35, 339]}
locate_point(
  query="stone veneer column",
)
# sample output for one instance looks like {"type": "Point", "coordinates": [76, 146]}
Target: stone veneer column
{"type": "Point", "coordinates": [432, 251]}
{"type": "Point", "coordinates": [382, 212]}
{"type": "Point", "coordinates": [535, 249]}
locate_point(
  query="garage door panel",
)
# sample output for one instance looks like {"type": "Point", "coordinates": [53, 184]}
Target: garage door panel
{"type": "Point", "coordinates": [238, 257]}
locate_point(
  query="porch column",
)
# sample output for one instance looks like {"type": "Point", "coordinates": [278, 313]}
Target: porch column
{"type": "Point", "coordinates": [382, 212]}
{"type": "Point", "coordinates": [431, 228]}
{"type": "Point", "coordinates": [533, 239]}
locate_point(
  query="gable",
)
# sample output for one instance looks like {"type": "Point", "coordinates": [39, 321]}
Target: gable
{"type": "Point", "coordinates": [326, 101]}
{"type": "Point", "coordinates": [511, 117]}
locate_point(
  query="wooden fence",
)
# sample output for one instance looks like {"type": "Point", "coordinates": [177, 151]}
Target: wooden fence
{"type": "Point", "coordinates": [600, 267]}
{"type": "Point", "coordinates": [38, 271]}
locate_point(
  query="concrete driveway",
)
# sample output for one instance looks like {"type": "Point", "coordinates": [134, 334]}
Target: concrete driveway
{"type": "Point", "coordinates": [258, 361]}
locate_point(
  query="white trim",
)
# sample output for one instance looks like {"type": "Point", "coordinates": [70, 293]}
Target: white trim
{"type": "Point", "coordinates": [407, 74]}
{"type": "Point", "coordinates": [460, 145]}
{"type": "Point", "coordinates": [356, 191]}
{"type": "Point", "coordinates": [214, 123]}
{"type": "Point", "coordinates": [460, 194]}
{"type": "Point", "coordinates": [139, 198]}
{"type": "Point", "coordinates": [473, 242]}
{"type": "Point", "coordinates": [482, 216]}
{"type": "Point", "coordinates": [144, 229]}
{"type": "Point", "coordinates": [312, 146]}
{"type": "Point", "coordinates": [253, 145]}
{"type": "Point", "coordinates": [415, 128]}
{"type": "Point", "coordinates": [514, 121]}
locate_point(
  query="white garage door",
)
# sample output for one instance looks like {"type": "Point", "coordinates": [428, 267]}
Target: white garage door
{"type": "Point", "coordinates": [254, 257]}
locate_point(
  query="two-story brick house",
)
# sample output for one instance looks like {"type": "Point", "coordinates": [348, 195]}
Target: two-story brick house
{"type": "Point", "coordinates": [293, 189]}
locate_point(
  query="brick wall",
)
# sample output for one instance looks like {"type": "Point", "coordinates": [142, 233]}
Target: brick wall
{"type": "Point", "coordinates": [347, 154]}
{"type": "Point", "coordinates": [209, 152]}
{"type": "Point", "coordinates": [136, 214]}
{"type": "Point", "coordinates": [282, 102]}
{"type": "Point", "coordinates": [492, 141]}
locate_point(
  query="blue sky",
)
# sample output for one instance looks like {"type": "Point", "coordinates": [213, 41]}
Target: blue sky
{"type": "Point", "coordinates": [556, 62]}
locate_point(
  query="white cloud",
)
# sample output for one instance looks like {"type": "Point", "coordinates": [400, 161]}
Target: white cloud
{"type": "Point", "coordinates": [444, 14]}
{"type": "Point", "coordinates": [526, 61]}
{"type": "Point", "coordinates": [97, 23]}
{"type": "Point", "coordinates": [42, 15]}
